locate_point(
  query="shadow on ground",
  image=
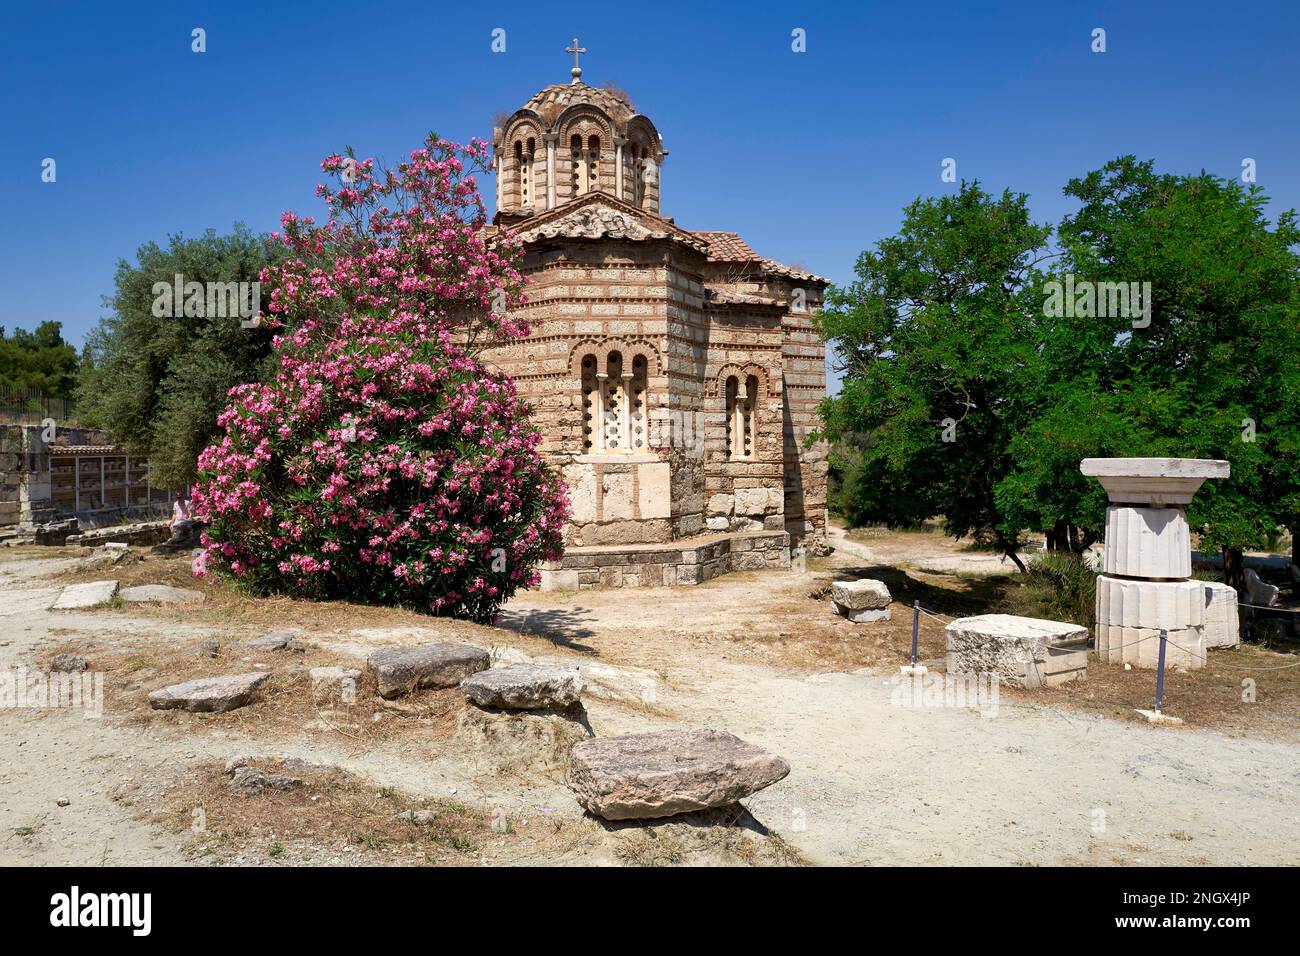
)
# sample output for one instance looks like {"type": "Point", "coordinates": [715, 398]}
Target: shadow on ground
{"type": "Point", "coordinates": [563, 627]}
{"type": "Point", "coordinates": [962, 597]}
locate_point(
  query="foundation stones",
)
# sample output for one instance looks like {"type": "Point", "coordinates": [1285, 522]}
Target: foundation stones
{"type": "Point", "coordinates": [644, 776]}
{"type": "Point", "coordinates": [403, 670]}
{"type": "Point", "coordinates": [1024, 651]}
{"type": "Point", "coordinates": [209, 694]}
{"type": "Point", "coordinates": [861, 601]}
{"type": "Point", "coordinates": [524, 687]}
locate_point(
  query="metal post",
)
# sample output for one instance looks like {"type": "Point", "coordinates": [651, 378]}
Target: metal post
{"type": "Point", "coordinates": [916, 623]}
{"type": "Point", "coordinates": [1160, 672]}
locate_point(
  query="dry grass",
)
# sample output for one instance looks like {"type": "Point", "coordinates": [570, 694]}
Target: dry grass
{"type": "Point", "coordinates": [333, 813]}
{"type": "Point", "coordinates": [287, 704]}
{"type": "Point", "coordinates": [1208, 698]}
{"type": "Point", "coordinates": [726, 836]}
{"type": "Point", "coordinates": [334, 818]}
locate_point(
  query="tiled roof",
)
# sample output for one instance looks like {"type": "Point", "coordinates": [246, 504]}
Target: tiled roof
{"type": "Point", "coordinates": [92, 450]}
{"type": "Point", "coordinates": [727, 246]}
{"type": "Point", "coordinates": [771, 265]}
{"type": "Point", "coordinates": [554, 100]}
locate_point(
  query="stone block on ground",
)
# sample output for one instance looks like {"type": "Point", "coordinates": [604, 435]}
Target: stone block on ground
{"type": "Point", "coordinates": [1222, 629]}
{"type": "Point", "coordinates": [209, 694]}
{"type": "Point", "coordinates": [332, 678]}
{"type": "Point", "coordinates": [864, 616]}
{"type": "Point", "coordinates": [161, 594]}
{"type": "Point", "coordinates": [68, 663]}
{"type": "Point", "coordinates": [405, 669]}
{"type": "Point", "coordinates": [250, 781]}
{"type": "Point", "coordinates": [88, 594]}
{"type": "Point", "coordinates": [862, 595]}
{"type": "Point", "coordinates": [513, 741]}
{"type": "Point", "coordinates": [524, 686]}
{"type": "Point", "coordinates": [644, 776]}
{"type": "Point", "coordinates": [1024, 651]}
{"type": "Point", "coordinates": [276, 642]}
{"type": "Point", "coordinates": [1260, 593]}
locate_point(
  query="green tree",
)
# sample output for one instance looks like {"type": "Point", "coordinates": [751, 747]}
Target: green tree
{"type": "Point", "coordinates": [39, 361]}
{"type": "Point", "coordinates": [1215, 373]}
{"type": "Point", "coordinates": [951, 314]}
{"type": "Point", "coordinates": [156, 383]}
{"type": "Point", "coordinates": [936, 339]}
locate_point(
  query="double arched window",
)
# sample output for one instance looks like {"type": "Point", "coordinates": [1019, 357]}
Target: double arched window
{"type": "Point", "coordinates": [585, 164]}
{"type": "Point", "coordinates": [742, 416]}
{"type": "Point", "coordinates": [614, 404]}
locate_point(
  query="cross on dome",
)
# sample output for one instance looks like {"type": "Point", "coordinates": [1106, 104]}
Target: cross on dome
{"type": "Point", "coordinates": [577, 67]}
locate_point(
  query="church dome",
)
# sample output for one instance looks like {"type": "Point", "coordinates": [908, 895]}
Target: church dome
{"type": "Point", "coordinates": [570, 139]}
{"type": "Point", "coordinates": [550, 102]}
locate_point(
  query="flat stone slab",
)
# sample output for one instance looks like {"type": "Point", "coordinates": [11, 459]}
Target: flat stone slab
{"type": "Point", "coordinates": [1025, 651]}
{"type": "Point", "coordinates": [209, 694]}
{"type": "Point", "coordinates": [405, 669]}
{"type": "Point", "coordinates": [643, 776]}
{"type": "Point", "coordinates": [330, 677]}
{"type": "Point", "coordinates": [276, 642]}
{"type": "Point", "coordinates": [1153, 481]}
{"type": "Point", "coordinates": [861, 595]}
{"type": "Point", "coordinates": [88, 594]}
{"type": "Point", "coordinates": [524, 686]}
{"type": "Point", "coordinates": [161, 594]}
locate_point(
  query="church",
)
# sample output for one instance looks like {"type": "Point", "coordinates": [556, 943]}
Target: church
{"type": "Point", "coordinates": [674, 373]}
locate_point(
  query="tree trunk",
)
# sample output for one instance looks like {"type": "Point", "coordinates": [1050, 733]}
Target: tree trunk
{"type": "Point", "coordinates": [1015, 558]}
{"type": "Point", "coordinates": [1056, 537]}
{"type": "Point", "coordinates": [1074, 539]}
{"type": "Point", "coordinates": [1234, 570]}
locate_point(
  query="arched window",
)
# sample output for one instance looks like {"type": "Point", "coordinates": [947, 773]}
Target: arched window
{"type": "Point", "coordinates": [615, 416]}
{"type": "Point", "coordinates": [578, 182]}
{"type": "Point", "coordinates": [742, 416]}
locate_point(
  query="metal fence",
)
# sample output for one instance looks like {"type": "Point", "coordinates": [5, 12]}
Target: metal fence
{"type": "Point", "coordinates": [31, 406]}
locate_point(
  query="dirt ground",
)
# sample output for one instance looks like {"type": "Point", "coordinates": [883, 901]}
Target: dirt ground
{"type": "Point", "coordinates": [879, 776]}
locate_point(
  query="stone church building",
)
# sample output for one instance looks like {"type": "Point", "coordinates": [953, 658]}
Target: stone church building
{"type": "Point", "coordinates": [675, 373]}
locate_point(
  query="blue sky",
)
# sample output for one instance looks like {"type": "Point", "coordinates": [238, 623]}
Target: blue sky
{"type": "Point", "coordinates": [810, 156]}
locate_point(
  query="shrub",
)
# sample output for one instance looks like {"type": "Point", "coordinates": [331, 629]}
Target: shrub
{"type": "Point", "coordinates": [1059, 586]}
{"type": "Point", "coordinates": [384, 461]}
